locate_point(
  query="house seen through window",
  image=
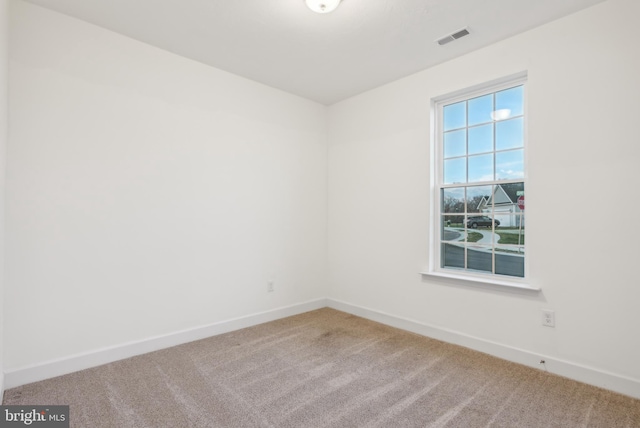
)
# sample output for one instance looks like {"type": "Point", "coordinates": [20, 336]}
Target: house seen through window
{"type": "Point", "coordinates": [480, 183]}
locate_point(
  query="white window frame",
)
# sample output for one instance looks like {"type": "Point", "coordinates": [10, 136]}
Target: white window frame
{"type": "Point", "coordinates": [437, 162]}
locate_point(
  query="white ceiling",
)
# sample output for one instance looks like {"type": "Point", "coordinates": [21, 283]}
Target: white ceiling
{"type": "Point", "coordinates": [323, 57]}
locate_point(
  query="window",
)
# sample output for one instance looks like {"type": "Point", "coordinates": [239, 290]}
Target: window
{"type": "Point", "coordinates": [479, 183]}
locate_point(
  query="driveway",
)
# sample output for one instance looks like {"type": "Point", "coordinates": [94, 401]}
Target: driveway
{"type": "Point", "coordinates": [452, 234]}
{"type": "Point", "coordinates": [488, 237]}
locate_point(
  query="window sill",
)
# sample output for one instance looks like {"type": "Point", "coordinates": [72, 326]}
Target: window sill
{"type": "Point", "coordinates": [482, 280]}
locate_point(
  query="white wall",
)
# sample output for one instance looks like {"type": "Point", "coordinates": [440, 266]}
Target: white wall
{"type": "Point", "coordinates": [4, 119]}
{"type": "Point", "coordinates": [582, 152]}
{"type": "Point", "coordinates": [148, 194]}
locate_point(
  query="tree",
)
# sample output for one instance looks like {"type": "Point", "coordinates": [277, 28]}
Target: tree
{"type": "Point", "coordinates": [453, 205]}
{"type": "Point", "coordinates": [476, 203]}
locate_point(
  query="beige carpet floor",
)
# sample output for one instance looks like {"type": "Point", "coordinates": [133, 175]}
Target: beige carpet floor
{"type": "Point", "coordinates": [325, 369]}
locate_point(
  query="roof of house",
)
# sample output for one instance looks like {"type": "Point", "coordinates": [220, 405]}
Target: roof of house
{"type": "Point", "coordinates": [511, 190]}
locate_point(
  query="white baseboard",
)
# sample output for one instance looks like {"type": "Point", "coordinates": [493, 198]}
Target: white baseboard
{"type": "Point", "coordinates": [581, 373]}
{"type": "Point", "coordinates": [74, 363]}
{"type": "Point", "coordinates": [568, 369]}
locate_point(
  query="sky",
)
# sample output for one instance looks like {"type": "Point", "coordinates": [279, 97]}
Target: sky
{"type": "Point", "coordinates": [476, 147]}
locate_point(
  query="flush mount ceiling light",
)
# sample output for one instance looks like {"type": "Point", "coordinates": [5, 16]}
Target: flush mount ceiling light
{"type": "Point", "coordinates": [322, 6]}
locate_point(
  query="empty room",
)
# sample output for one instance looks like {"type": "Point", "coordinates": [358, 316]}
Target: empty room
{"type": "Point", "coordinates": [311, 213]}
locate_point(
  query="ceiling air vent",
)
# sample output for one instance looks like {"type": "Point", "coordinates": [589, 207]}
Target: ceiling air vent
{"type": "Point", "coordinates": [452, 37]}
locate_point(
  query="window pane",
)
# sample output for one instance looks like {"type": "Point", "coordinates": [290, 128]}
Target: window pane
{"type": "Point", "coordinates": [474, 236]}
{"type": "Point", "coordinates": [511, 99]}
{"type": "Point", "coordinates": [455, 170]}
{"type": "Point", "coordinates": [509, 134]}
{"type": "Point", "coordinates": [512, 235]}
{"type": "Point", "coordinates": [452, 256]}
{"type": "Point", "coordinates": [480, 139]}
{"type": "Point", "coordinates": [481, 168]}
{"type": "Point", "coordinates": [455, 143]}
{"type": "Point", "coordinates": [478, 199]}
{"type": "Point", "coordinates": [453, 228]}
{"type": "Point", "coordinates": [455, 116]}
{"type": "Point", "coordinates": [453, 200]}
{"type": "Point", "coordinates": [479, 257]}
{"type": "Point", "coordinates": [480, 109]}
{"type": "Point", "coordinates": [512, 230]}
{"type": "Point", "coordinates": [483, 221]}
{"type": "Point", "coordinates": [511, 264]}
{"type": "Point", "coordinates": [510, 164]}
{"type": "Point", "coordinates": [506, 196]}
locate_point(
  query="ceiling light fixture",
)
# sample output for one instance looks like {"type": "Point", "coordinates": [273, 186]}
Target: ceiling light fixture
{"type": "Point", "coordinates": [322, 6]}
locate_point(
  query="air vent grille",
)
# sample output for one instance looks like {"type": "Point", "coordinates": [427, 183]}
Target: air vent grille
{"type": "Point", "coordinates": [460, 33]}
{"type": "Point", "coordinates": [454, 36]}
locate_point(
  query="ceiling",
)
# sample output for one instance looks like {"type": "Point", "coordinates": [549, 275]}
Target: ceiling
{"type": "Point", "coordinates": [323, 57]}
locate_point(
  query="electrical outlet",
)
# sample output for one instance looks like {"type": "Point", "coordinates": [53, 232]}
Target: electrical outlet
{"type": "Point", "coordinates": [548, 318]}
{"type": "Point", "coordinates": [271, 286]}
